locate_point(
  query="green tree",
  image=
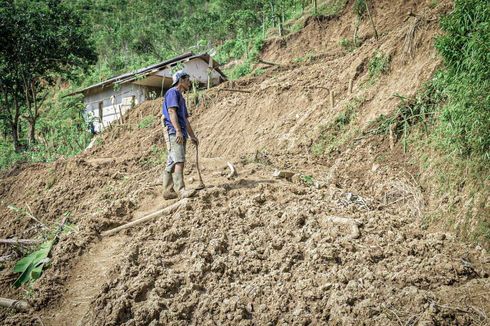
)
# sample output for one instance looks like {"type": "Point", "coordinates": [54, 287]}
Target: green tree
{"type": "Point", "coordinates": [41, 41]}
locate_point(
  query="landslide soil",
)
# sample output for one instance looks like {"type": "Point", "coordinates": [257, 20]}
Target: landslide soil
{"type": "Point", "coordinates": [253, 249]}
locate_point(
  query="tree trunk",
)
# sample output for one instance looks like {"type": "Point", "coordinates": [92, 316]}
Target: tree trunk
{"type": "Point", "coordinates": [32, 132]}
{"type": "Point", "coordinates": [15, 137]}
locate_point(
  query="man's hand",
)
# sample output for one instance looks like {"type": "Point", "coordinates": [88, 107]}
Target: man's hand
{"type": "Point", "coordinates": [195, 141]}
{"type": "Point", "coordinates": [179, 137]}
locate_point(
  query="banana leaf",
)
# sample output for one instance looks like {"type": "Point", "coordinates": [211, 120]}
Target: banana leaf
{"type": "Point", "coordinates": [31, 266]}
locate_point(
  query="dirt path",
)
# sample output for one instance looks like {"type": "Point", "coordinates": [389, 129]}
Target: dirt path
{"type": "Point", "coordinates": [88, 275]}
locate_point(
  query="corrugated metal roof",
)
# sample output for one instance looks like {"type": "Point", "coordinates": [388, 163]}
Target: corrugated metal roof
{"type": "Point", "coordinates": [130, 76]}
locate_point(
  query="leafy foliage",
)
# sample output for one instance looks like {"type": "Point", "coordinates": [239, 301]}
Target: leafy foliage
{"type": "Point", "coordinates": [31, 266]}
{"type": "Point", "coordinates": [147, 122]}
{"type": "Point", "coordinates": [378, 64]}
{"type": "Point", "coordinates": [336, 132]}
{"type": "Point", "coordinates": [42, 41]}
{"type": "Point", "coordinates": [465, 119]}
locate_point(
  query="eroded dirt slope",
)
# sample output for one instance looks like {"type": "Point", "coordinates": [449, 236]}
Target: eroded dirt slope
{"type": "Point", "coordinates": [255, 249]}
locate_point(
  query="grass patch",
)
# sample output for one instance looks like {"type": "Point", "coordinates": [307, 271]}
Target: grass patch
{"type": "Point", "coordinates": [158, 156]}
{"type": "Point", "coordinates": [147, 122]}
{"type": "Point", "coordinates": [337, 133]}
{"type": "Point", "coordinates": [306, 58]}
{"type": "Point", "coordinates": [331, 8]}
{"type": "Point", "coordinates": [419, 110]}
{"type": "Point", "coordinates": [347, 45]}
{"type": "Point", "coordinates": [378, 64]}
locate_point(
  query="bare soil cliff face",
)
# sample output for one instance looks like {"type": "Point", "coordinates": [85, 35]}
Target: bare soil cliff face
{"type": "Point", "coordinates": [341, 243]}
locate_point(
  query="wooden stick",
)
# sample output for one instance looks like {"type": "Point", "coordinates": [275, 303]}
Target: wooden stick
{"type": "Point", "coordinates": [20, 241]}
{"type": "Point", "coordinates": [15, 304]}
{"type": "Point", "coordinates": [332, 98]}
{"type": "Point", "coordinates": [371, 20]}
{"type": "Point", "coordinates": [167, 210]}
{"type": "Point", "coordinates": [351, 84]}
{"type": "Point", "coordinates": [268, 63]}
{"type": "Point", "coordinates": [234, 90]}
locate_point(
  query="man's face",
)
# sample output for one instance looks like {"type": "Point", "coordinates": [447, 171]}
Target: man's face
{"type": "Point", "coordinates": [186, 83]}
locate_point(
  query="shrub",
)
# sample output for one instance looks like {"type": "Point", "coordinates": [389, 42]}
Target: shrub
{"type": "Point", "coordinates": [465, 120]}
{"type": "Point", "coordinates": [379, 64]}
{"type": "Point", "coordinates": [147, 122]}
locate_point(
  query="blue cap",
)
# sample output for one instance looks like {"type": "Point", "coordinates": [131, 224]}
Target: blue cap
{"type": "Point", "coordinates": [177, 76]}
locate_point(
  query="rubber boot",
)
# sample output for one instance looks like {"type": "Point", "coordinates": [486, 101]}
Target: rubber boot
{"type": "Point", "coordinates": [168, 186]}
{"type": "Point", "coordinates": [180, 187]}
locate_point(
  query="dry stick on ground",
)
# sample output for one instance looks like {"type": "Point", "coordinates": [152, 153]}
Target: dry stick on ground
{"type": "Point", "coordinates": [234, 90]}
{"type": "Point", "coordinates": [167, 210]}
{"type": "Point", "coordinates": [346, 220]}
{"type": "Point", "coordinates": [14, 304]}
{"type": "Point", "coordinates": [371, 20]}
{"type": "Point", "coordinates": [268, 63]}
{"type": "Point", "coordinates": [20, 241]}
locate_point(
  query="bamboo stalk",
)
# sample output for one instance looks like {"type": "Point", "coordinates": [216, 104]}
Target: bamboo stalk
{"type": "Point", "coordinates": [20, 241]}
{"type": "Point", "coordinates": [14, 304]}
{"type": "Point", "coordinates": [167, 210]}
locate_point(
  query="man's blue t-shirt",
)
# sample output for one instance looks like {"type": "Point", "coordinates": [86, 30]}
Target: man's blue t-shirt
{"type": "Point", "coordinates": [174, 98]}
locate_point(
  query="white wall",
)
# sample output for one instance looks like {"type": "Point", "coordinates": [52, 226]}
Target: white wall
{"type": "Point", "coordinates": [122, 100]}
{"type": "Point", "coordinates": [198, 70]}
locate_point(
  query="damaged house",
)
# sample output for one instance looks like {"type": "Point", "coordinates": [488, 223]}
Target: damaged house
{"type": "Point", "coordinates": [109, 100]}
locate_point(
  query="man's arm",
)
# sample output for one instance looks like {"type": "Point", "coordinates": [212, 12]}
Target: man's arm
{"type": "Point", "coordinates": [191, 132]}
{"type": "Point", "coordinates": [179, 137]}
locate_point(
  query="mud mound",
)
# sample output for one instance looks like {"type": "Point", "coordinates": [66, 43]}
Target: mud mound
{"type": "Point", "coordinates": [260, 251]}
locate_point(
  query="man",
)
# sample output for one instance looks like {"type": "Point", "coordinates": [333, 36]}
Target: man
{"type": "Point", "coordinates": [179, 130]}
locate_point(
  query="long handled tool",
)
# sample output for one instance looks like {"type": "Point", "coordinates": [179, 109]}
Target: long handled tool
{"type": "Point", "coordinates": [201, 184]}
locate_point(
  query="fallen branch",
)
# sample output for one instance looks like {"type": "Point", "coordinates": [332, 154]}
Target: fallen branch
{"type": "Point", "coordinates": [20, 241]}
{"type": "Point", "coordinates": [233, 172]}
{"type": "Point", "coordinates": [234, 90]}
{"type": "Point", "coordinates": [14, 304]}
{"type": "Point", "coordinates": [346, 220]}
{"type": "Point", "coordinates": [167, 210]}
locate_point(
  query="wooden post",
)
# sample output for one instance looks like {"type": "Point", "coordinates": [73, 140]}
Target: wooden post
{"type": "Point", "coordinates": [120, 114]}
{"type": "Point", "coordinates": [210, 67]}
{"type": "Point", "coordinates": [332, 98]}
{"type": "Point", "coordinates": [351, 84]}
